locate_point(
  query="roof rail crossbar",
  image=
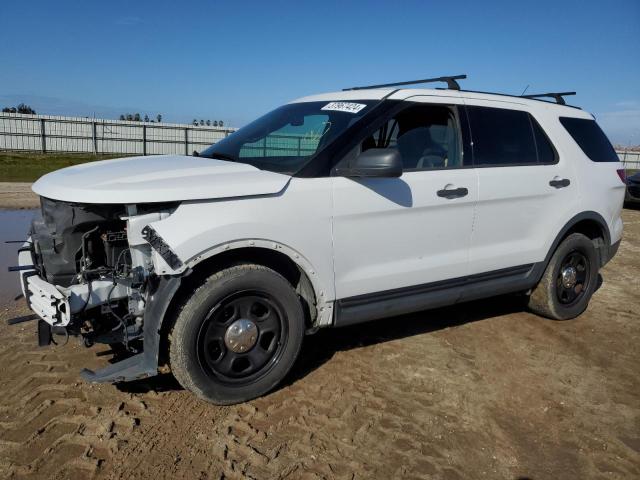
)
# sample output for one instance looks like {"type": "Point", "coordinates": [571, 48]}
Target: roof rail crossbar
{"type": "Point", "coordinates": [558, 96]}
{"type": "Point", "coordinates": [449, 80]}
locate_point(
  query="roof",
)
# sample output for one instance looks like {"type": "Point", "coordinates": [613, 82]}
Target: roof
{"type": "Point", "coordinates": [405, 93]}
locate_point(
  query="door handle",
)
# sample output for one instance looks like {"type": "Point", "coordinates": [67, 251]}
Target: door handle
{"type": "Point", "coordinates": [450, 193]}
{"type": "Point", "coordinates": [560, 182]}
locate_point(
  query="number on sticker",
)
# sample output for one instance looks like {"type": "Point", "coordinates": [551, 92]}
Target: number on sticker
{"type": "Point", "coordinates": [344, 107]}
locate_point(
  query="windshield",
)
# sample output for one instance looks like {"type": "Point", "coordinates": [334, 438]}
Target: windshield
{"type": "Point", "coordinates": [287, 138]}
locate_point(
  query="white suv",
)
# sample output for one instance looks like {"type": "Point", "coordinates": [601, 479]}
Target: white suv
{"type": "Point", "coordinates": [332, 210]}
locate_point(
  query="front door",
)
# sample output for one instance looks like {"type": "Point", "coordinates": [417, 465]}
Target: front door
{"type": "Point", "coordinates": [392, 233]}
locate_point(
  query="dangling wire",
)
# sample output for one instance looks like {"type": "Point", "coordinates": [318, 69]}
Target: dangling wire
{"type": "Point", "coordinates": [123, 324]}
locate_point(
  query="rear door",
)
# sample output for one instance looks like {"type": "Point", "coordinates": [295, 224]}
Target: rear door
{"type": "Point", "coordinates": [392, 233]}
{"type": "Point", "coordinates": [526, 189]}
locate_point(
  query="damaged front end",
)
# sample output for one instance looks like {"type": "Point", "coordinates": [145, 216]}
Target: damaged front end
{"type": "Point", "coordinates": [93, 271]}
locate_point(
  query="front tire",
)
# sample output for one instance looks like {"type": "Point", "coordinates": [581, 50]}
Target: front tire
{"type": "Point", "coordinates": [568, 281]}
{"type": "Point", "coordinates": [238, 335]}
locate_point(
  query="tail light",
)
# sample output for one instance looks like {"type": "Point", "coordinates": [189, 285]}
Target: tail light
{"type": "Point", "coordinates": [622, 175]}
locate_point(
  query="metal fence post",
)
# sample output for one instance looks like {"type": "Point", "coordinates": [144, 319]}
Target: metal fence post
{"type": "Point", "coordinates": [95, 137]}
{"type": "Point", "coordinates": [43, 138]}
{"type": "Point", "coordinates": [186, 141]}
{"type": "Point", "coordinates": [144, 139]}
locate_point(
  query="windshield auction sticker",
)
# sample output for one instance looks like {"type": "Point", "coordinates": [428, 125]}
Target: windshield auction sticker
{"type": "Point", "coordinates": [344, 107]}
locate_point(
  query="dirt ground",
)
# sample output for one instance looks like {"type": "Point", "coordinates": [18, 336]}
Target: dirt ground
{"type": "Point", "coordinates": [17, 195]}
{"type": "Point", "coordinates": [482, 390]}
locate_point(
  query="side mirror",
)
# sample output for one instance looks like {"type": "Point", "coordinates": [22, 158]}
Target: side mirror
{"type": "Point", "coordinates": [377, 162]}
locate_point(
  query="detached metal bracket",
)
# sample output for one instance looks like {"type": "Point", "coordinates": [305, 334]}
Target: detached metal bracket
{"type": "Point", "coordinates": [132, 368]}
{"type": "Point", "coordinates": [22, 319]}
{"type": "Point", "coordinates": [160, 246]}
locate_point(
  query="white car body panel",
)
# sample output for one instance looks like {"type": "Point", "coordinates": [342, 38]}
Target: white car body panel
{"type": "Point", "coordinates": [296, 222]}
{"type": "Point", "coordinates": [604, 193]}
{"type": "Point", "coordinates": [162, 178]}
{"type": "Point", "coordinates": [391, 233]}
{"type": "Point", "coordinates": [601, 190]}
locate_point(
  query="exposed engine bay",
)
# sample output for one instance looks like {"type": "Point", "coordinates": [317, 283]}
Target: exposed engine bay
{"type": "Point", "coordinates": [101, 265]}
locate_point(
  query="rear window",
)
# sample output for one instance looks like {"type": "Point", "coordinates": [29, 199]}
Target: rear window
{"type": "Point", "coordinates": [590, 138]}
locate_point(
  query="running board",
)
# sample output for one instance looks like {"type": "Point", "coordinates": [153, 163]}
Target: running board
{"type": "Point", "coordinates": [400, 301]}
{"type": "Point", "coordinates": [132, 368]}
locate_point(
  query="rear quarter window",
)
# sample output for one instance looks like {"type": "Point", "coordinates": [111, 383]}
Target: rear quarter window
{"type": "Point", "coordinates": [590, 138]}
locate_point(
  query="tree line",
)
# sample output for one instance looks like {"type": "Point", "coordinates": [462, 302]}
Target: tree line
{"type": "Point", "coordinates": [131, 117]}
{"type": "Point", "coordinates": [21, 108]}
{"type": "Point", "coordinates": [208, 123]}
{"type": "Point", "coordinates": [135, 117]}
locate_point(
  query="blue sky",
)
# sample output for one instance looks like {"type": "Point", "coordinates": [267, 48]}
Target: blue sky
{"type": "Point", "coordinates": [235, 60]}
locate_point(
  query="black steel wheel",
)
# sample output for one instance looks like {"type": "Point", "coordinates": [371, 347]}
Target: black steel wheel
{"type": "Point", "coordinates": [572, 278]}
{"type": "Point", "coordinates": [242, 337]}
{"type": "Point", "coordinates": [568, 281]}
{"type": "Point", "coordinates": [238, 335]}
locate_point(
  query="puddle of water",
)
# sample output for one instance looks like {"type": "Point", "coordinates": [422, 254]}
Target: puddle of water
{"type": "Point", "coordinates": [14, 225]}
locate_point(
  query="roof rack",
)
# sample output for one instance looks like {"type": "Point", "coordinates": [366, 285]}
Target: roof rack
{"type": "Point", "coordinates": [449, 80]}
{"type": "Point", "coordinates": [558, 96]}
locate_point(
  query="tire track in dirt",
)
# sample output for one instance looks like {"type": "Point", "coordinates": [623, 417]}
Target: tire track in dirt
{"type": "Point", "coordinates": [51, 424]}
{"type": "Point", "coordinates": [317, 427]}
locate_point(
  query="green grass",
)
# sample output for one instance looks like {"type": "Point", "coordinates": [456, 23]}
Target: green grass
{"type": "Point", "coordinates": [28, 167]}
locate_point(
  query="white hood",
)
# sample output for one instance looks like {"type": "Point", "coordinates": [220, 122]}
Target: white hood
{"type": "Point", "coordinates": [162, 178]}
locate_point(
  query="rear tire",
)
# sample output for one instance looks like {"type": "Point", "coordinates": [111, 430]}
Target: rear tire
{"type": "Point", "coordinates": [238, 335]}
{"type": "Point", "coordinates": [568, 281]}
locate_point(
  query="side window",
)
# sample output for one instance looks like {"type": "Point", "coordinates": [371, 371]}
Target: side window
{"type": "Point", "coordinates": [501, 137]}
{"type": "Point", "coordinates": [546, 152]}
{"type": "Point", "coordinates": [426, 136]}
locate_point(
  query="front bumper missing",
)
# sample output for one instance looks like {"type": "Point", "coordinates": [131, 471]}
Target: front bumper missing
{"type": "Point", "coordinates": [47, 302]}
{"type": "Point", "coordinates": [53, 303]}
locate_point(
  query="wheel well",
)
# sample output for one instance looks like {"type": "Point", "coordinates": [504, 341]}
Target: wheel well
{"type": "Point", "coordinates": [593, 230]}
{"type": "Point", "coordinates": [589, 228]}
{"type": "Point", "coordinates": [274, 260]}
